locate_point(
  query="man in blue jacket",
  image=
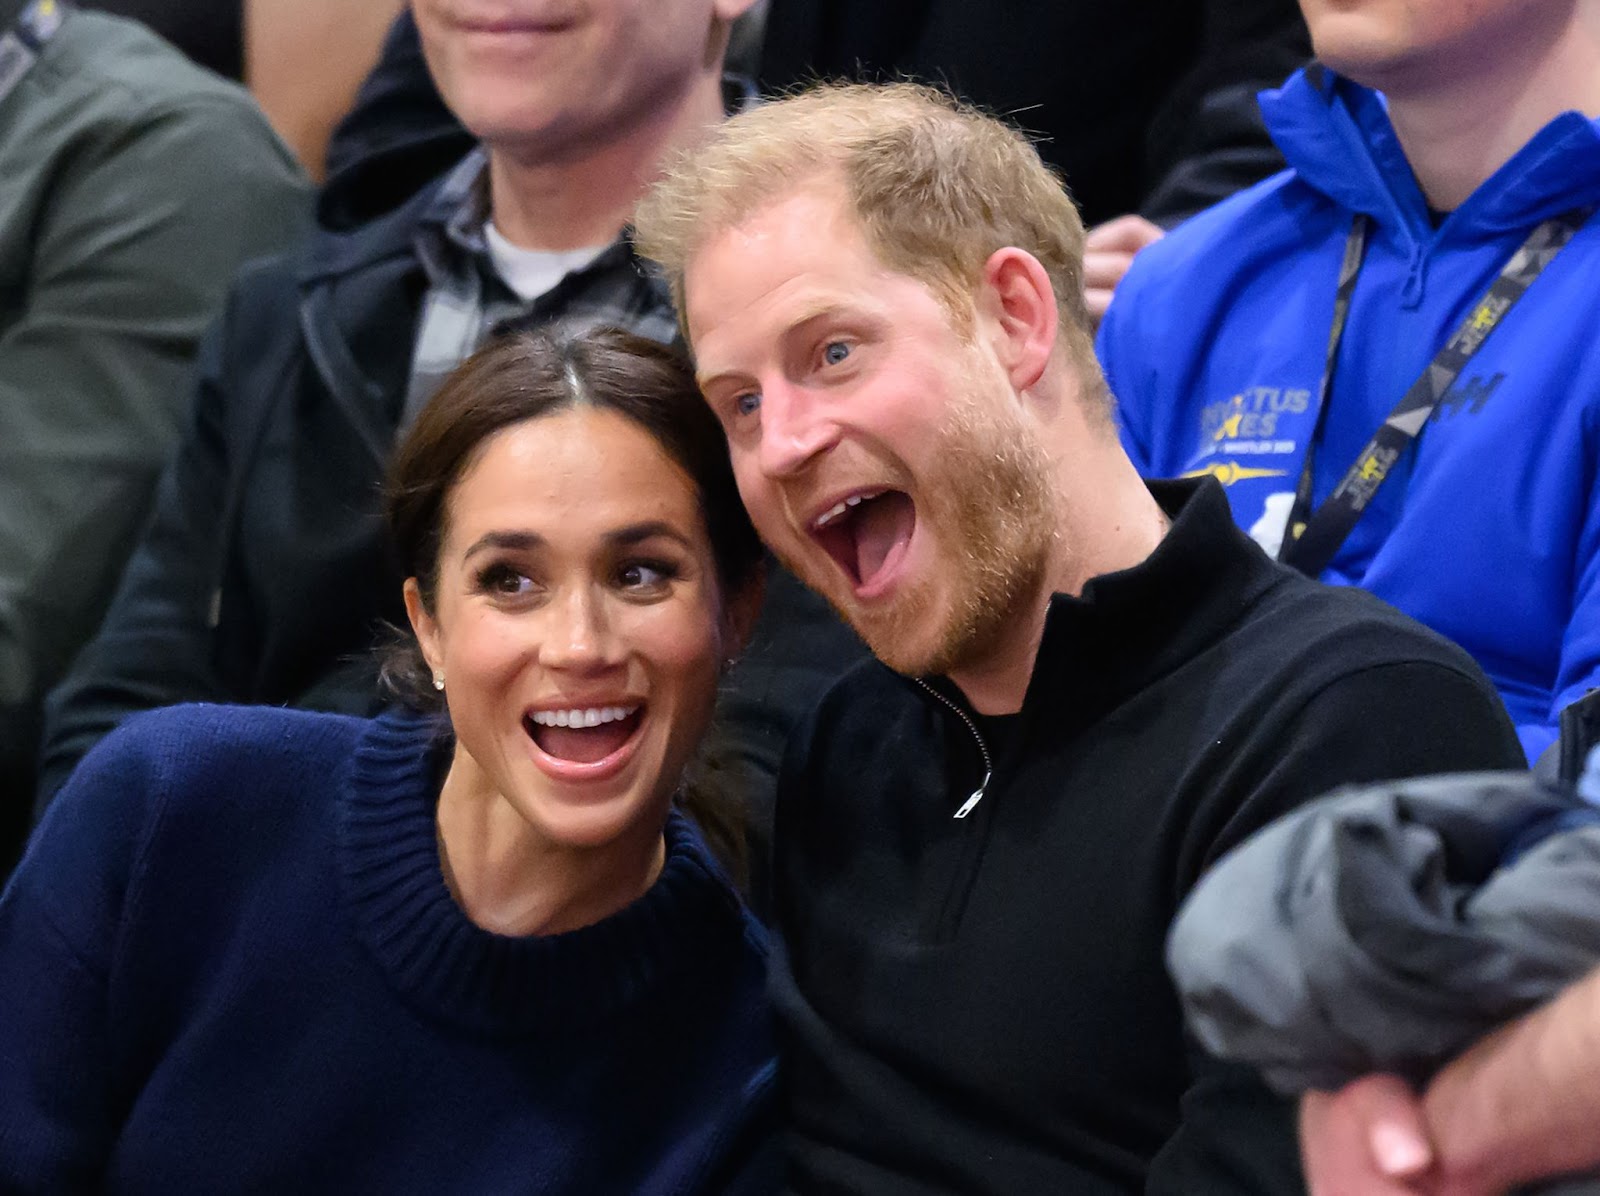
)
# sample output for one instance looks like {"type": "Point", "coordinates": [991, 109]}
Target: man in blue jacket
{"type": "Point", "coordinates": [1348, 347]}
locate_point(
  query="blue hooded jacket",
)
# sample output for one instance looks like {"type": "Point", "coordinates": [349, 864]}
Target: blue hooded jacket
{"type": "Point", "coordinates": [1488, 528]}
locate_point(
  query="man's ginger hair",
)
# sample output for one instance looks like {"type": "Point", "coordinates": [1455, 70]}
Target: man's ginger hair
{"type": "Point", "coordinates": [936, 185]}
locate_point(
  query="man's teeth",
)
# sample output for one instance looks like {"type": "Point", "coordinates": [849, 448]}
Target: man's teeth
{"type": "Point", "coordinates": [590, 717]}
{"type": "Point", "coordinates": [828, 516]}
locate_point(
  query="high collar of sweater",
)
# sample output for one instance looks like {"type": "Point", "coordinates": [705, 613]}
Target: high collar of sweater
{"type": "Point", "coordinates": [447, 966]}
{"type": "Point", "coordinates": [1129, 628]}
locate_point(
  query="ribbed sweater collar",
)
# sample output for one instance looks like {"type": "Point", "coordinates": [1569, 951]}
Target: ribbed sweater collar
{"type": "Point", "coordinates": [445, 965]}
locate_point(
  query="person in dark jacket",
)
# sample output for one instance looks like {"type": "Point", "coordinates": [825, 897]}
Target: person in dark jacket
{"type": "Point", "coordinates": [1085, 689]}
{"type": "Point", "coordinates": [1147, 107]}
{"type": "Point", "coordinates": [264, 576]}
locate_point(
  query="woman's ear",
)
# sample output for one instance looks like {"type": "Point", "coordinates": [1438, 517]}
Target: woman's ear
{"type": "Point", "coordinates": [742, 611]}
{"type": "Point", "coordinates": [423, 625]}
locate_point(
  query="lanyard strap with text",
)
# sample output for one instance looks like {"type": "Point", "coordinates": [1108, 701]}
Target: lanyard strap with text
{"type": "Point", "coordinates": [1311, 538]}
{"type": "Point", "coordinates": [20, 45]}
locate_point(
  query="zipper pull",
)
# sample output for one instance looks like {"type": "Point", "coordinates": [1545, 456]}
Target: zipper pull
{"type": "Point", "coordinates": [977, 796]}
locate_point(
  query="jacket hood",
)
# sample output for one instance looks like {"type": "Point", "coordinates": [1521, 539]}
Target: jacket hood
{"type": "Point", "coordinates": [1337, 137]}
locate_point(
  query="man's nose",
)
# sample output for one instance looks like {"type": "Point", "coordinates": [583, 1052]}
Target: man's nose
{"type": "Point", "coordinates": [795, 430]}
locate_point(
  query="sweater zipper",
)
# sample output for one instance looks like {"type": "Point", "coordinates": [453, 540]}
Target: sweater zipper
{"type": "Point", "coordinates": [983, 749]}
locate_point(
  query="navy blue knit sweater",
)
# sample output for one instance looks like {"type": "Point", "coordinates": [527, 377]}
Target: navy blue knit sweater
{"type": "Point", "coordinates": [230, 962]}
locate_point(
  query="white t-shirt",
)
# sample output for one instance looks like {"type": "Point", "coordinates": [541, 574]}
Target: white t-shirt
{"type": "Point", "coordinates": [532, 272]}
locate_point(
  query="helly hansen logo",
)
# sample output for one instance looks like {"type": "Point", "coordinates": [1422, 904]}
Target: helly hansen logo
{"type": "Point", "coordinates": [1469, 395]}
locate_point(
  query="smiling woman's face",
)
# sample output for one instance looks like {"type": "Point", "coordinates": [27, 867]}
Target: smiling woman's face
{"type": "Point", "coordinates": [578, 624]}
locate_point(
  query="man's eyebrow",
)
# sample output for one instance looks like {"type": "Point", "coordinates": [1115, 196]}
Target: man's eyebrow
{"type": "Point", "coordinates": [800, 323]}
{"type": "Point", "coordinates": [515, 541]}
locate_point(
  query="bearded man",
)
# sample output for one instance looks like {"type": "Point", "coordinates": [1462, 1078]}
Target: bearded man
{"type": "Point", "coordinates": [1086, 688]}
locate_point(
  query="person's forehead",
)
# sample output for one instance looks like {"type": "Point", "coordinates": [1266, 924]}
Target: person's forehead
{"type": "Point", "coordinates": [814, 210]}
{"type": "Point", "coordinates": [805, 234]}
{"type": "Point", "coordinates": [800, 267]}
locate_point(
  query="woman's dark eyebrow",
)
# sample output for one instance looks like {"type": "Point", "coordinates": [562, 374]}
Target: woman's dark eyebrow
{"type": "Point", "coordinates": [522, 541]}
{"type": "Point", "coordinates": [504, 540]}
{"type": "Point", "coordinates": [634, 533]}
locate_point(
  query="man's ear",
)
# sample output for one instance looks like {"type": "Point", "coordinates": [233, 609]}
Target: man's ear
{"type": "Point", "coordinates": [423, 625]}
{"type": "Point", "coordinates": [1019, 304]}
{"type": "Point", "coordinates": [731, 10]}
{"type": "Point", "coordinates": [742, 611]}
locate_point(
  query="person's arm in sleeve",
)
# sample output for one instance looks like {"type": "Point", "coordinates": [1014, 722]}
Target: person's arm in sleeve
{"type": "Point", "coordinates": [61, 916]}
{"type": "Point", "coordinates": [135, 242]}
{"type": "Point", "coordinates": [1385, 722]}
{"type": "Point", "coordinates": [155, 646]}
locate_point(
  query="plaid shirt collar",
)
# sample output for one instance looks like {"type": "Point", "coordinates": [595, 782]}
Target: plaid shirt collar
{"type": "Point", "coordinates": [466, 300]}
{"type": "Point", "coordinates": [450, 240]}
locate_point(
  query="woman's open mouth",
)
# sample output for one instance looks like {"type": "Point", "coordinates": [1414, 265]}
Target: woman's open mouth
{"type": "Point", "coordinates": [583, 742]}
{"type": "Point", "coordinates": [867, 535]}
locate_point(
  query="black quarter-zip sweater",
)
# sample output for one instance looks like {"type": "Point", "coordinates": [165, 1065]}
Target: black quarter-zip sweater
{"type": "Point", "coordinates": [979, 1005]}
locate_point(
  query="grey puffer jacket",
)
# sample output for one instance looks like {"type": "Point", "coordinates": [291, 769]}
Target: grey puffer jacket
{"type": "Point", "coordinates": [1387, 927]}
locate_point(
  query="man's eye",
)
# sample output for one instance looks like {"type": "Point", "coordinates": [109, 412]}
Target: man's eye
{"type": "Point", "coordinates": [747, 403]}
{"type": "Point", "coordinates": [835, 352]}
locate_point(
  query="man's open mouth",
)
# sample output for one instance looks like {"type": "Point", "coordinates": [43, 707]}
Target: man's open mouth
{"type": "Point", "coordinates": [583, 734]}
{"type": "Point", "coordinates": [867, 533]}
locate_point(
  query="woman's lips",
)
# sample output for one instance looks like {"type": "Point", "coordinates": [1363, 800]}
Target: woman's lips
{"type": "Point", "coordinates": [584, 743]}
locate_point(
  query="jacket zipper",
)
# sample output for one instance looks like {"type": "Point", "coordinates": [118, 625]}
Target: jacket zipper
{"type": "Point", "coordinates": [983, 749]}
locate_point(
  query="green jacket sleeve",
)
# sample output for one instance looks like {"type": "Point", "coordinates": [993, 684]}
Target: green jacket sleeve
{"type": "Point", "coordinates": [132, 186]}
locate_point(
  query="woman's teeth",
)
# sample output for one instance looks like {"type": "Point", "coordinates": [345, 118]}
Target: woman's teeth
{"type": "Point", "coordinates": [589, 717]}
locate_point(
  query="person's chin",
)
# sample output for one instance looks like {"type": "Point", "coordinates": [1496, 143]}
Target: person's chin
{"type": "Point", "coordinates": [917, 653]}
{"type": "Point", "coordinates": [596, 822]}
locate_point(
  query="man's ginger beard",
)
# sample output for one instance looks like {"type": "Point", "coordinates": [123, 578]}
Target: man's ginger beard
{"type": "Point", "coordinates": [990, 502]}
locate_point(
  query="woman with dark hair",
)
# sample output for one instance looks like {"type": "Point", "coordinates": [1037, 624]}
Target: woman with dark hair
{"type": "Point", "coordinates": [466, 946]}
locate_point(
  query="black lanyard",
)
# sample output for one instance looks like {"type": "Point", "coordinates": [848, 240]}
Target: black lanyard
{"type": "Point", "coordinates": [1312, 537]}
{"type": "Point", "coordinates": [20, 45]}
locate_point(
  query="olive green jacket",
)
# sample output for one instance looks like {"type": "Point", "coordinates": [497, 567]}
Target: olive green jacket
{"type": "Point", "coordinates": [132, 185]}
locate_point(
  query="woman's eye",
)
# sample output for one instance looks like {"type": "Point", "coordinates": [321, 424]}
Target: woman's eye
{"type": "Point", "coordinates": [747, 403]}
{"type": "Point", "coordinates": [646, 577]}
{"type": "Point", "coordinates": [835, 352]}
{"type": "Point", "coordinates": [504, 581]}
